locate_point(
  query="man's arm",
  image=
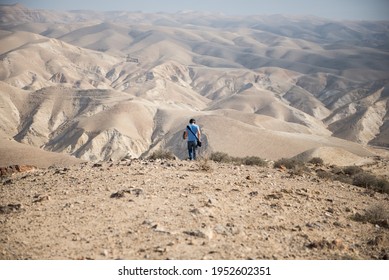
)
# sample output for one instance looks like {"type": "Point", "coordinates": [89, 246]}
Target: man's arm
{"type": "Point", "coordinates": [185, 135]}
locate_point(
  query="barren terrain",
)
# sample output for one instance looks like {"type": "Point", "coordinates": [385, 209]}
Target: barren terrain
{"type": "Point", "coordinates": [86, 97]}
{"type": "Point", "coordinates": [108, 85]}
{"type": "Point", "coordinates": [139, 209]}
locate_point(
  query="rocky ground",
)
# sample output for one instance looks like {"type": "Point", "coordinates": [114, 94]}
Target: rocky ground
{"type": "Point", "coordinates": [138, 209]}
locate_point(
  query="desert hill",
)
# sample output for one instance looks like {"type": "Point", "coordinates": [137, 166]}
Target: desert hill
{"type": "Point", "coordinates": [14, 153]}
{"type": "Point", "coordinates": [86, 97]}
{"type": "Point", "coordinates": [110, 85]}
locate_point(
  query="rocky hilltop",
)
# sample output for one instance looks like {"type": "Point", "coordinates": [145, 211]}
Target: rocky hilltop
{"type": "Point", "coordinates": [124, 210]}
{"type": "Point", "coordinates": [172, 209]}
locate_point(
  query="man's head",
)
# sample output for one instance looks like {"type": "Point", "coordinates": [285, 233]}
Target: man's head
{"type": "Point", "coordinates": [192, 121]}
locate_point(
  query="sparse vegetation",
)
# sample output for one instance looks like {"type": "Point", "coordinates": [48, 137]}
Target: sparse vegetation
{"type": "Point", "coordinates": [364, 180]}
{"type": "Point", "coordinates": [323, 174]}
{"type": "Point", "coordinates": [382, 185]}
{"type": "Point", "coordinates": [220, 157]}
{"type": "Point", "coordinates": [352, 170]}
{"type": "Point", "coordinates": [295, 167]}
{"type": "Point", "coordinates": [288, 163]}
{"type": "Point", "coordinates": [355, 175]}
{"type": "Point", "coordinates": [316, 161]}
{"type": "Point", "coordinates": [376, 214]}
{"type": "Point", "coordinates": [249, 160]}
{"type": "Point", "coordinates": [367, 180]}
{"type": "Point", "coordinates": [254, 161]}
{"type": "Point", "coordinates": [344, 178]}
{"type": "Point", "coordinates": [201, 195]}
{"type": "Point", "coordinates": [162, 154]}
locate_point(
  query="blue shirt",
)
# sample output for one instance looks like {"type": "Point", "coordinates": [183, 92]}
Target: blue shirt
{"type": "Point", "coordinates": [195, 128]}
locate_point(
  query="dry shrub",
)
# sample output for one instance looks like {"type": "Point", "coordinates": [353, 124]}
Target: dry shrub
{"type": "Point", "coordinates": [352, 170]}
{"type": "Point", "coordinates": [162, 154]}
{"type": "Point", "coordinates": [377, 214]}
{"type": "Point", "coordinates": [382, 185]}
{"type": "Point", "coordinates": [344, 178]}
{"type": "Point", "coordinates": [367, 180]}
{"type": "Point", "coordinates": [220, 157]}
{"type": "Point", "coordinates": [326, 175]}
{"type": "Point", "coordinates": [288, 163]}
{"type": "Point", "coordinates": [336, 170]}
{"type": "Point", "coordinates": [204, 165]}
{"type": "Point", "coordinates": [354, 175]}
{"type": "Point", "coordinates": [254, 161]}
{"type": "Point", "coordinates": [364, 180]}
{"type": "Point", "coordinates": [225, 158]}
{"type": "Point", "coordinates": [296, 167]}
{"type": "Point", "coordinates": [316, 161]}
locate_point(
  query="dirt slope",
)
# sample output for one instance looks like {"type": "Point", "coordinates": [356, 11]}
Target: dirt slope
{"type": "Point", "coordinates": [175, 210]}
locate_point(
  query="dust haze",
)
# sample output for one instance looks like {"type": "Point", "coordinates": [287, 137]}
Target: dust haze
{"type": "Point", "coordinates": [82, 87]}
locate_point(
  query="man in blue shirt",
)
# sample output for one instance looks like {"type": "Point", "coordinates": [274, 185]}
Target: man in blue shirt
{"type": "Point", "coordinates": [192, 132]}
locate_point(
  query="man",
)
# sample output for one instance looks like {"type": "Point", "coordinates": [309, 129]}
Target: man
{"type": "Point", "coordinates": [191, 132]}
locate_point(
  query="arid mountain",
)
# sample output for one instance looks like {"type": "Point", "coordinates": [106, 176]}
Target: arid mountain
{"type": "Point", "coordinates": [108, 85]}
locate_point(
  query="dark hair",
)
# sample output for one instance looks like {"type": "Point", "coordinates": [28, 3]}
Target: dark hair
{"type": "Point", "coordinates": [192, 121]}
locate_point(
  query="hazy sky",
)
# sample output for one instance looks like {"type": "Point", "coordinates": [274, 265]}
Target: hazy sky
{"type": "Point", "coordinates": [334, 9]}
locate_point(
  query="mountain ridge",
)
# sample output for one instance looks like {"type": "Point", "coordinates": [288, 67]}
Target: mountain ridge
{"type": "Point", "coordinates": [77, 83]}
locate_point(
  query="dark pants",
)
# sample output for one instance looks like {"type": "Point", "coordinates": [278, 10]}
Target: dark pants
{"type": "Point", "coordinates": [192, 145]}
